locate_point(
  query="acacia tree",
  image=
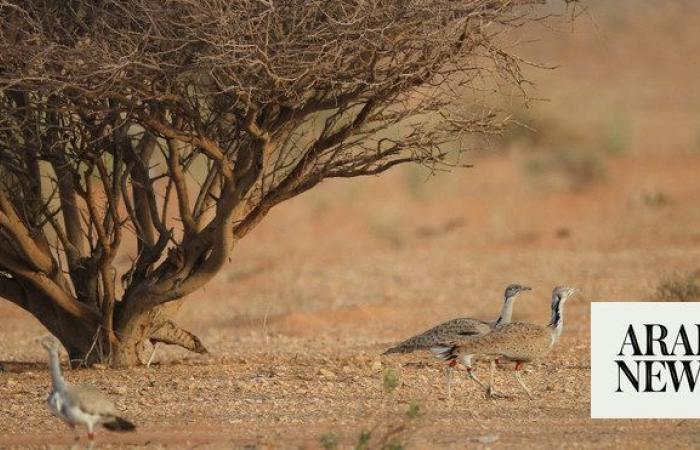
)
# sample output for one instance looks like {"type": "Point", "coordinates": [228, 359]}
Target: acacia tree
{"type": "Point", "coordinates": [184, 122]}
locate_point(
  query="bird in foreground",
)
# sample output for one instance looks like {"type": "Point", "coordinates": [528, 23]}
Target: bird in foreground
{"type": "Point", "coordinates": [435, 339]}
{"type": "Point", "coordinates": [80, 404]}
{"type": "Point", "coordinates": [519, 342]}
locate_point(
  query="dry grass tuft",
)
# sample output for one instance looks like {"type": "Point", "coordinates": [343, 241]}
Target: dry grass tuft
{"type": "Point", "coordinates": [680, 288]}
{"type": "Point", "coordinates": [572, 168]}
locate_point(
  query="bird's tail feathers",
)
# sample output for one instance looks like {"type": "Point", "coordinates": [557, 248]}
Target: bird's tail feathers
{"type": "Point", "coordinates": [396, 349]}
{"type": "Point", "coordinates": [119, 424]}
{"type": "Point", "coordinates": [403, 347]}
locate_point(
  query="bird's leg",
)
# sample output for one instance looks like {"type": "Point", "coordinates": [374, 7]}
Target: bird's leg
{"type": "Point", "coordinates": [490, 390]}
{"type": "Point", "coordinates": [467, 361]}
{"type": "Point", "coordinates": [518, 366]}
{"type": "Point", "coordinates": [76, 435]}
{"type": "Point", "coordinates": [448, 377]}
{"type": "Point", "coordinates": [91, 433]}
{"type": "Point", "coordinates": [470, 374]}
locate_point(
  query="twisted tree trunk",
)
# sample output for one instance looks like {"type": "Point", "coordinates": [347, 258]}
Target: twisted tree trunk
{"type": "Point", "coordinates": [154, 326]}
{"type": "Point", "coordinates": [84, 341]}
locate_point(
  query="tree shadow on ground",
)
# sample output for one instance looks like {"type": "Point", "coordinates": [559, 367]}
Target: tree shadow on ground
{"type": "Point", "coordinates": [21, 366]}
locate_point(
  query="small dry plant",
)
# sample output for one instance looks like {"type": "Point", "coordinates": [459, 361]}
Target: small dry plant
{"type": "Point", "coordinates": [391, 435]}
{"type": "Point", "coordinates": [679, 288]}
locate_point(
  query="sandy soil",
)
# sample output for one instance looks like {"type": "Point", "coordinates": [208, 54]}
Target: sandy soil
{"type": "Point", "coordinates": [298, 321]}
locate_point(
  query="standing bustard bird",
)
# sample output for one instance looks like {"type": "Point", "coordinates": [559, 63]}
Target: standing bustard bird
{"type": "Point", "coordinates": [80, 405]}
{"type": "Point", "coordinates": [435, 338]}
{"type": "Point", "coordinates": [520, 342]}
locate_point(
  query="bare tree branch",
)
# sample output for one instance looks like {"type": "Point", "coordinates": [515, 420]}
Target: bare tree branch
{"type": "Point", "coordinates": [228, 107]}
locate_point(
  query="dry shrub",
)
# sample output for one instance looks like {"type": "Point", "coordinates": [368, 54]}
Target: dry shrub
{"type": "Point", "coordinates": [560, 155]}
{"type": "Point", "coordinates": [571, 168]}
{"type": "Point", "coordinates": [235, 107]}
{"type": "Point", "coordinates": [679, 288]}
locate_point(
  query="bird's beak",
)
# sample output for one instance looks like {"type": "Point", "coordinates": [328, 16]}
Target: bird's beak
{"type": "Point", "coordinates": [526, 288]}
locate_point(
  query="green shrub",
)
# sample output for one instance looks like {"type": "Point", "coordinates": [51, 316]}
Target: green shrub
{"type": "Point", "coordinates": [390, 380]}
{"type": "Point", "coordinates": [363, 441]}
{"type": "Point", "coordinates": [329, 441]}
{"type": "Point", "coordinates": [414, 410]}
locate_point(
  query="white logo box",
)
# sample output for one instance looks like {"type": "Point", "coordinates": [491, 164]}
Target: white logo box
{"type": "Point", "coordinates": [610, 323]}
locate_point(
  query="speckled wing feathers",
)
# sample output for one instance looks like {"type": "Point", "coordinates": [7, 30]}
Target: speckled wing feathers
{"type": "Point", "coordinates": [517, 341]}
{"type": "Point", "coordinates": [442, 335]}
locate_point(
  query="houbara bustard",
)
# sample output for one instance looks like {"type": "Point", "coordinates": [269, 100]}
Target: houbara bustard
{"type": "Point", "coordinates": [80, 404]}
{"type": "Point", "coordinates": [435, 338]}
{"type": "Point", "coordinates": [519, 342]}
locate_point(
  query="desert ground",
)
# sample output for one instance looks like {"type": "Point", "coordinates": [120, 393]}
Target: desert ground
{"type": "Point", "coordinates": [600, 192]}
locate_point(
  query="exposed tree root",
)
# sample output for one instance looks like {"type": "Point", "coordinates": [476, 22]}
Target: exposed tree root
{"type": "Point", "coordinates": [170, 333]}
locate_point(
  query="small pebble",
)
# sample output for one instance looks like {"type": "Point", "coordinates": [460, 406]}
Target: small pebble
{"type": "Point", "coordinates": [326, 373]}
{"type": "Point", "coordinates": [118, 390]}
{"type": "Point", "coordinates": [487, 439]}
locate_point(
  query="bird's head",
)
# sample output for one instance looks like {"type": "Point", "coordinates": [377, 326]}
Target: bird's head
{"type": "Point", "coordinates": [561, 294]}
{"type": "Point", "coordinates": [50, 343]}
{"type": "Point", "coordinates": [514, 289]}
